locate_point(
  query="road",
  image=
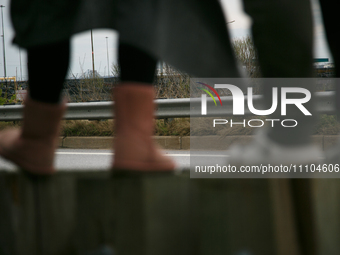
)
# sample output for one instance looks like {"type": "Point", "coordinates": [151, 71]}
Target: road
{"type": "Point", "coordinates": [80, 159]}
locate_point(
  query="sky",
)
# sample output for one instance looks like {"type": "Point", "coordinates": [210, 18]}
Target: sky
{"type": "Point", "coordinates": [81, 59]}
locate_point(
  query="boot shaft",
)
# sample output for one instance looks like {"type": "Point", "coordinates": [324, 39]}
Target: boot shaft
{"type": "Point", "coordinates": [42, 119]}
{"type": "Point", "coordinates": [134, 108]}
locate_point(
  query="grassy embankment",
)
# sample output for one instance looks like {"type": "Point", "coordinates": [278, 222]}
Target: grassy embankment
{"type": "Point", "coordinates": [327, 125]}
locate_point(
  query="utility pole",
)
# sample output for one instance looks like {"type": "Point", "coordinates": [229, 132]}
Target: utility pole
{"type": "Point", "coordinates": [20, 64]}
{"type": "Point", "coordinates": [92, 54]}
{"type": "Point", "coordinates": [107, 51]}
{"type": "Point", "coordinates": [3, 40]}
{"type": "Point", "coordinates": [3, 46]}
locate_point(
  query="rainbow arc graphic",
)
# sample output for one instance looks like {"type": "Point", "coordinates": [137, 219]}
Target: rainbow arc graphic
{"type": "Point", "coordinates": [208, 92]}
{"type": "Point", "coordinates": [204, 97]}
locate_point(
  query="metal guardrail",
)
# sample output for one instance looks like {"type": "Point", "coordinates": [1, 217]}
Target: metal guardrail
{"type": "Point", "coordinates": [166, 108]}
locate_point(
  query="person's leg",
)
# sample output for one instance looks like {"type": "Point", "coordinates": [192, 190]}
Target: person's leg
{"type": "Point", "coordinates": [32, 147]}
{"type": "Point", "coordinates": [47, 69]}
{"type": "Point", "coordinates": [331, 23]}
{"type": "Point", "coordinates": [329, 15]}
{"type": "Point", "coordinates": [283, 35]}
{"type": "Point", "coordinates": [136, 65]}
{"type": "Point", "coordinates": [330, 20]}
{"type": "Point", "coordinates": [134, 114]}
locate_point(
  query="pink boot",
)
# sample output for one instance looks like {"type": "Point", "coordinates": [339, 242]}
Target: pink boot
{"type": "Point", "coordinates": [33, 146]}
{"type": "Point", "coordinates": [134, 147]}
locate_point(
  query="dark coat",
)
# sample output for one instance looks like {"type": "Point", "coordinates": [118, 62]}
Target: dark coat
{"type": "Point", "coordinates": [188, 34]}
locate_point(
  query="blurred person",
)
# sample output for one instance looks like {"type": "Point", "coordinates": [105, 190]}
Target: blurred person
{"type": "Point", "coordinates": [283, 36]}
{"type": "Point", "coordinates": [329, 14]}
{"type": "Point", "coordinates": [282, 32]}
{"type": "Point", "coordinates": [191, 35]}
